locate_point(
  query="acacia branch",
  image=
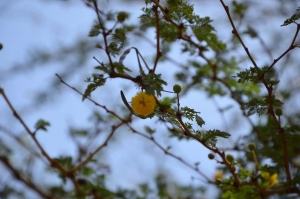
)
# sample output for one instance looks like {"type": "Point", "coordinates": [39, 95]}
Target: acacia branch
{"type": "Point", "coordinates": [18, 176]}
{"type": "Point", "coordinates": [151, 138]}
{"type": "Point", "coordinates": [158, 52]}
{"type": "Point", "coordinates": [235, 32]}
{"type": "Point", "coordinates": [31, 134]}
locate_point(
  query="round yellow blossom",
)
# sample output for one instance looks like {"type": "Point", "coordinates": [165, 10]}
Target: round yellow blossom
{"type": "Point", "coordinates": [218, 175]}
{"type": "Point", "coordinates": [273, 180]}
{"type": "Point", "coordinates": [143, 104]}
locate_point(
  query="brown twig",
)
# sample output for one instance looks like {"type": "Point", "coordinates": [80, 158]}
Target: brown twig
{"type": "Point", "coordinates": [158, 52]}
{"type": "Point", "coordinates": [235, 32]}
{"type": "Point", "coordinates": [167, 152]}
{"type": "Point", "coordinates": [18, 176]}
{"type": "Point", "coordinates": [32, 135]}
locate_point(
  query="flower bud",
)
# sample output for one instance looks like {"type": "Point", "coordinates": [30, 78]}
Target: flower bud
{"type": "Point", "coordinates": [251, 146]}
{"type": "Point", "coordinates": [177, 88]}
{"type": "Point", "coordinates": [122, 16]}
{"type": "Point", "coordinates": [211, 156]}
{"type": "Point", "coordinates": [278, 112]}
{"type": "Point", "coordinates": [230, 158]}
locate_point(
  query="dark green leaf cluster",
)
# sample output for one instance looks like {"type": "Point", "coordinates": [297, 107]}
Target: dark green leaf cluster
{"type": "Point", "coordinates": [239, 8]}
{"type": "Point", "coordinates": [65, 161]}
{"type": "Point", "coordinates": [153, 83]}
{"type": "Point", "coordinates": [251, 32]}
{"type": "Point", "coordinates": [182, 14]}
{"type": "Point", "coordinates": [258, 75]}
{"type": "Point", "coordinates": [96, 81]}
{"type": "Point", "coordinates": [147, 19]}
{"type": "Point", "coordinates": [168, 32]}
{"type": "Point", "coordinates": [260, 105]}
{"type": "Point", "coordinates": [250, 75]}
{"type": "Point", "coordinates": [119, 41]}
{"type": "Point", "coordinates": [210, 137]}
{"type": "Point", "coordinates": [121, 68]}
{"type": "Point", "coordinates": [191, 114]}
{"type": "Point", "coordinates": [168, 117]}
{"type": "Point", "coordinates": [106, 68]}
{"type": "Point", "coordinates": [268, 134]}
{"type": "Point", "coordinates": [203, 78]}
{"type": "Point", "coordinates": [292, 19]}
{"type": "Point", "coordinates": [149, 130]}
{"type": "Point", "coordinates": [162, 190]}
{"type": "Point", "coordinates": [188, 47]}
{"type": "Point", "coordinates": [292, 135]}
{"type": "Point", "coordinates": [239, 192]}
{"type": "Point", "coordinates": [180, 11]}
{"type": "Point", "coordinates": [41, 125]}
{"type": "Point", "coordinates": [203, 31]}
{"type": "Point", "coordinates": [79, 133]}
{"type": "Point", "coordinates": [244, 173]}
{"type": "Point", "coordinates": [95, 31]}
{"type": "Point", "coordinates": [214, 88]}
{"type": "Point", "coordinates": [96, 185]}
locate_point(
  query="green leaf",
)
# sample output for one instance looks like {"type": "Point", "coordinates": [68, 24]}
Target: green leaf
{"type": "Point", "coordinates": [244, 173]}
{"type": "Point", "coordinates": [95, 31]}
{"type": "Point", "coordinates": [218, 133]}
{"type": "Point", "coordinates": [260, 105]}
{"type": "Point", "coordinates": [96, 80]}
{"type": "Point", "coordinates": [239, 8]}
{"type": "Point", "coordinates": [41, 125]}
{"type": "Point", "coordinates": [119, 39]}
{"type": "Point", "coordinates": [189, 113]}
{"type": "Point", "coordinates": [153, 84]}
{"type": "Point", "coordinates": [81, 133]}
{"type": "Point", "coordinates": [292, 19]}
{"type": "Point", "coordinates": [199, 120]}
{"type": "Point", "coordinates": [210, 136]}
{"type": "Point", "coordinates": [251, 32]}
{"type": "Point", "coordinates": [204, 32]}
{"type": "Point", "coordinates": [87, 171]}
{"type": "Point", "coordinates": [120, 67]}
{"type": "Point", "coordinates": [149, 130]}
{"type": "Point", "coordinates": [65, 161]}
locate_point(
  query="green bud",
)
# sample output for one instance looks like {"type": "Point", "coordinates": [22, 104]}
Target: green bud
{"type": "Point", "coordinates": [251, 146]}
{"type": "Point", "coordinates": [278, 112]}
{"type": "Point", "coordinates": [211, 156]}
{"type": "Point", "coordinates": [229, 158]}
{"type": "Point", "coordinates": [122, 16]}
{"type": "Point", "coordinates": [177, 88]}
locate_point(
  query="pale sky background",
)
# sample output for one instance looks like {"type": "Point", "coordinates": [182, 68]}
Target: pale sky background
{"type": "Point", "coordinates": [48, 25]}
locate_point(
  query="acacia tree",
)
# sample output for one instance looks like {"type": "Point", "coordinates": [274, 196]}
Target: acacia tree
{"type": "Point", "coordinates": [264, 163]}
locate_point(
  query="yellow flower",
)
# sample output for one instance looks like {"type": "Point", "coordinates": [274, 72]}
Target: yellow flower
{"type": "Point", "coordinates": [273, 180]}
{"type": "Point", "coordinates": [218, 175]}
{"type": "Point", "coordinates": [143, 104]}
